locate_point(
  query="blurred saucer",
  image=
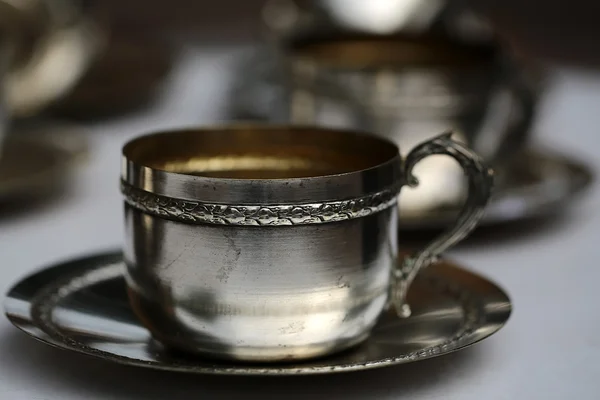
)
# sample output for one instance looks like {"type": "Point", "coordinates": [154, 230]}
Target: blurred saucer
{"type": "Point", "coordinates": [538, 183]}
{"type": "Point", "coordinates": [38, 161]}
{"type": "Point", "coordinates": [126, 76]}
{"type": "Point", "coordinates": [82, 306]}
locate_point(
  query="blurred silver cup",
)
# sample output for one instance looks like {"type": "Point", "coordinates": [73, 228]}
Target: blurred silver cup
{"type": "Point", "coordinates": [266, 243]}
{"type": "Point", "coordinates": [404, 88]}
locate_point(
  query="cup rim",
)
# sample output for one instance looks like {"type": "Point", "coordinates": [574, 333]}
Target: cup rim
{"type": "Point", "coordinates": [380, 173]}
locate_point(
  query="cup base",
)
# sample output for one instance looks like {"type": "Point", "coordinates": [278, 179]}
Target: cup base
{"type": "Point", "coordinates": [192, 343]}
{"type": "Point", "coordinates": [256, 355]}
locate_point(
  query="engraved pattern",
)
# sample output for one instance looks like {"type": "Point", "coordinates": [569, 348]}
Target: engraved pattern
{"type": "Point", "coordinates": [249, 215]}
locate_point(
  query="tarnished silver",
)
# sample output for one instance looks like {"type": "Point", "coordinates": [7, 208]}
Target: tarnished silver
{"type": "Point", "coordinates": [538, 183]}
{"type": "Point", "coordinates": [272, 243]}
{"type": "Point", "coordinates": [82, 306]}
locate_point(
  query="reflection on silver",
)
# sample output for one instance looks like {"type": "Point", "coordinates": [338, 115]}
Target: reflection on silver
{"type": "Point", "coordinates": [452, 309]}
{"type": "Point", "coordinates": [237, 261]}
{"type": "Point", "coordinates": [383, 16]}
{"type": "Point", "coordinates": [455, 18]}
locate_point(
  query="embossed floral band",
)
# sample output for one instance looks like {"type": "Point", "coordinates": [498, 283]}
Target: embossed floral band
{"type": "Point", "coordinates": [261, 176]}
{"type": "Point", "coordinates": [224, 214]}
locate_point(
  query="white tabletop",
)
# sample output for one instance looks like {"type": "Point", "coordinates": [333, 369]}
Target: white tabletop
{"type": "Point", "coordinates": [547, 350]}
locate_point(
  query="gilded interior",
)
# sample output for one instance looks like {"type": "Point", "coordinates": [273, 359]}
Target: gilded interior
{"type": "Point", "coordinates": [391, 51]}
{"type": "Point", "coordinates": [260, 153]}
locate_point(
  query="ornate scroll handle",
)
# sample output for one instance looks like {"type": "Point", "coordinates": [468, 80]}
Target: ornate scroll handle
{"type": "Point", "coordinates": [480, 187]}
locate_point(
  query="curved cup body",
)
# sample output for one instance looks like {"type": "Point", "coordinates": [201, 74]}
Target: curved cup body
{"type": "Point", "coordinates": [260, 270]}
{"type": "Point", "coordinates": [266, 294]}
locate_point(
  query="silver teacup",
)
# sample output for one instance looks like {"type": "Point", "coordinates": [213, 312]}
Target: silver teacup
{"type": "Point", "coordinates": [265, 243]}
{"type": "Point", "coordinates": [405, 87]}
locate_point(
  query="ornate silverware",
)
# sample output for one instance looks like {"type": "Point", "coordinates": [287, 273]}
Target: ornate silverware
{"type": "Point", "coordinates": [273, 243]}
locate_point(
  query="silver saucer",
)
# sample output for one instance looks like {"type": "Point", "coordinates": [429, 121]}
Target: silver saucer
{"type": "Point", "coordinates": [539, 183]}
{"type": "Point", "coordinates": [82, 306]}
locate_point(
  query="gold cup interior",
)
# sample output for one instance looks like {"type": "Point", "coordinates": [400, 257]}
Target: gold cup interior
{"type": "Point", "coordinates": [261, 153]}
{"type": "Point", "coordinates": [391, 51]}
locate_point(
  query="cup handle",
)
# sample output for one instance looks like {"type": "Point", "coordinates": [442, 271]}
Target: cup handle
{"type": "Point", "coordinates": [480, 187]}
